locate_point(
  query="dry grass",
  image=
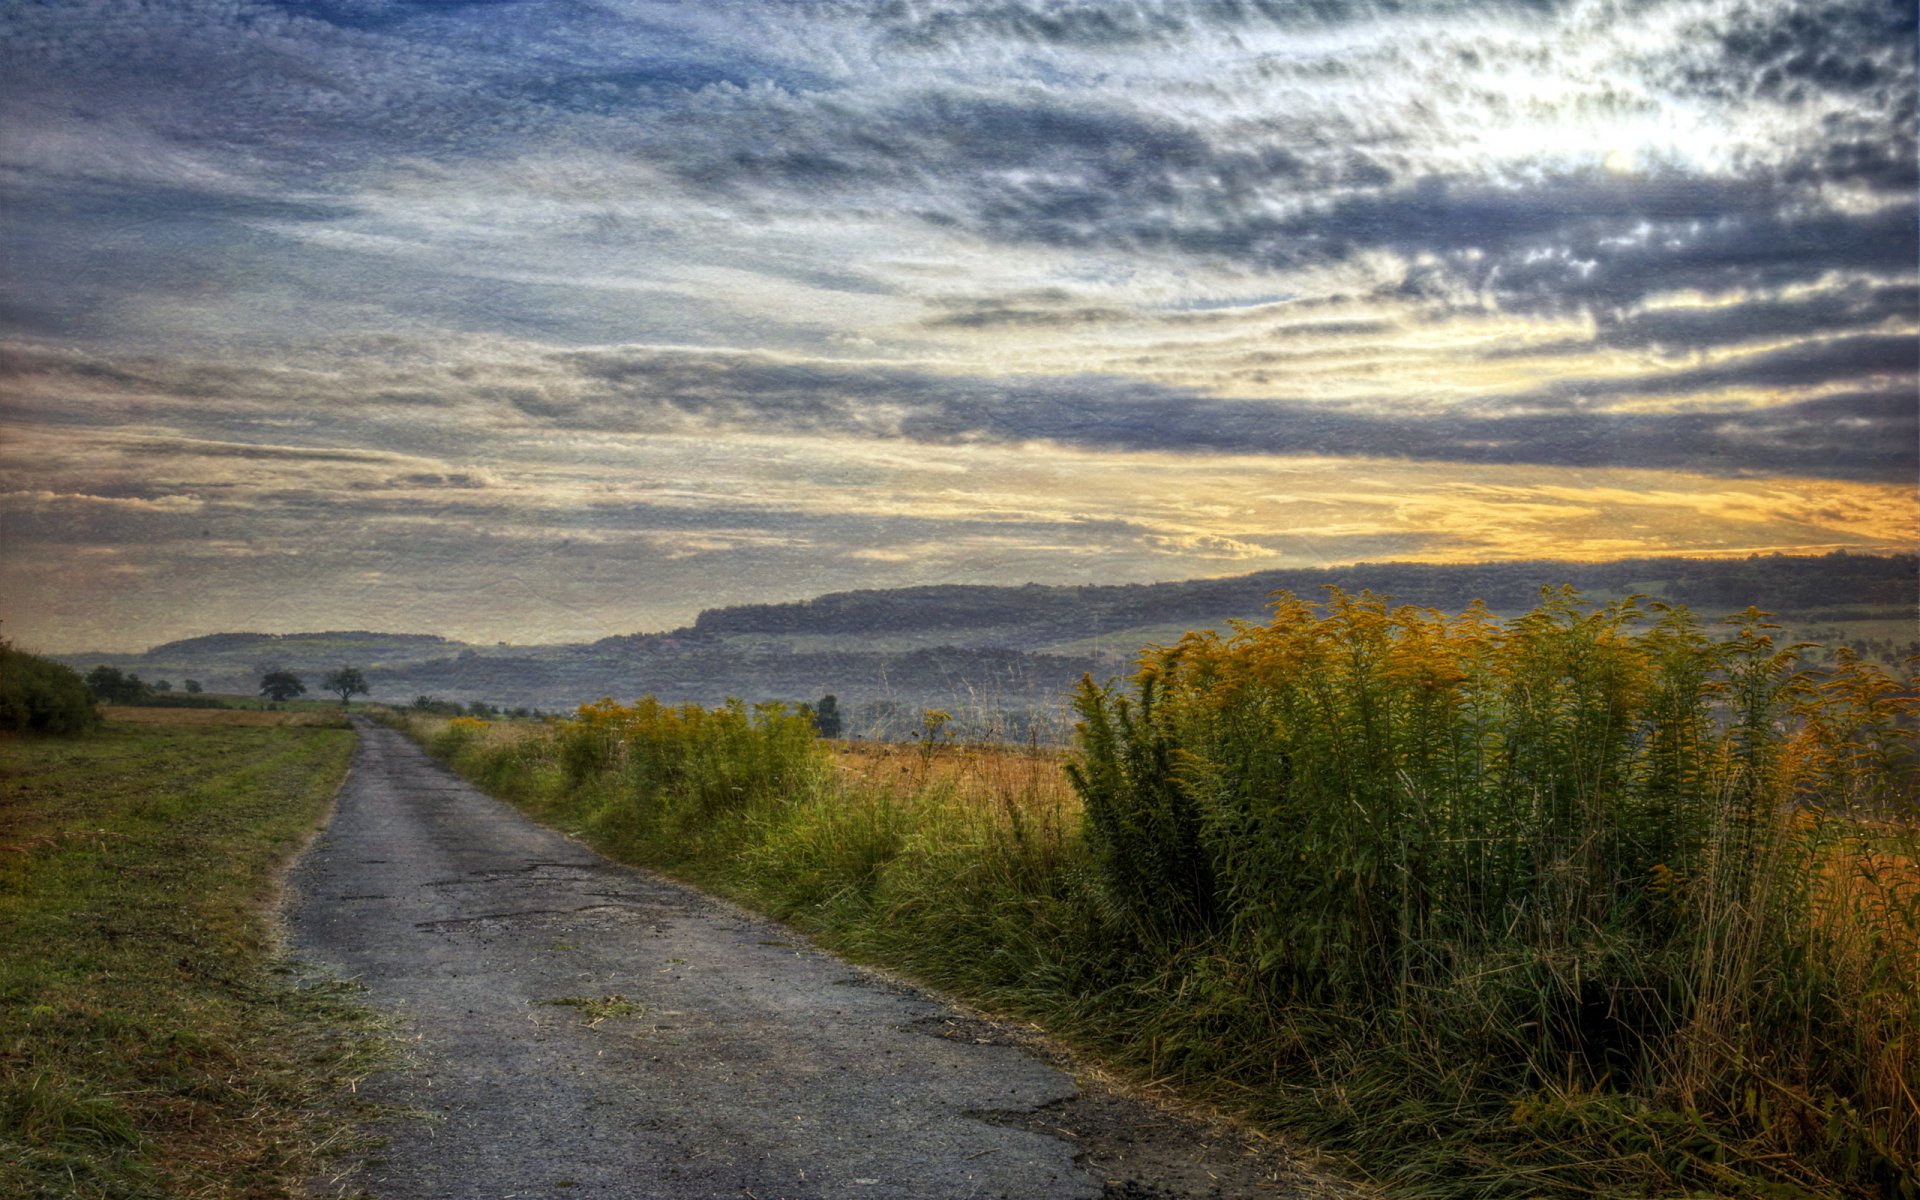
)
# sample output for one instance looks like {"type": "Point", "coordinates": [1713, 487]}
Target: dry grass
{"type": "Point", "coordinates": [491, 734]}
{"type": "Point", "coordinates": [1865, 898]}
{"type": "Point", "coordinates": [972, 775]}
{"type": "Point", "coordinates": [1868, 906]}
{"type": "Point", "coordinates": [256, 717]}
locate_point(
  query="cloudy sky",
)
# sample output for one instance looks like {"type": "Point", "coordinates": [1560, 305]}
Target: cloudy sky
{"type": "Point", "coordinates": [544, 319]}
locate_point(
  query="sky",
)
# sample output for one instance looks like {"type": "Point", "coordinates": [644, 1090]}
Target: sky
{"type": "Point", "coordinates": [538, 320]}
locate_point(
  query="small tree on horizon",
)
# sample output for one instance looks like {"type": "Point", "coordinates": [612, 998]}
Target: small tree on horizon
{"type": "Point", "coordinates": [826, 716]}
{"type": "Point", "coordinates": [281, 686]}
{"type": "Point", "coordinates": [346, 683]}
{"type": "Point", "coordinates": [192, 686]}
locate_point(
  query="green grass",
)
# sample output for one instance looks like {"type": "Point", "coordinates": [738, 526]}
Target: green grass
{"type": "Point", "coordinates": [152, 1041]}
{"type": "Point", "coordinates": [600, 1008]}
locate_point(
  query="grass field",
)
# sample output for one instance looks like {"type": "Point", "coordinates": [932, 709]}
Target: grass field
{"type": "Point", "coordinates": [151, 1041]}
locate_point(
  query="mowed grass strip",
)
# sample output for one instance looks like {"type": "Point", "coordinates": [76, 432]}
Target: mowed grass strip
{"type": "Point", "coordinates": [152, 1043]}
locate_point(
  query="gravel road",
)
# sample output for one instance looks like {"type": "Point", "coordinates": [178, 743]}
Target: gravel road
{"type": "Point", "coordinates": [583, 1029]}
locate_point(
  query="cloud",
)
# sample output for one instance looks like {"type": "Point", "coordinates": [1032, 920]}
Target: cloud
{"type": "Point", "coordinates": [1281, 140]}
{"type": "Point", "coordinates": [1681, 327]}
{"type": "Point", "coordinates": [1841, 408]}
{"type": "Point", "coordinates": [1863, 434]}
{"type": "Point", "coordinates": [533, 285]}
{"type": "Point", "coordinates": [1787, 51]}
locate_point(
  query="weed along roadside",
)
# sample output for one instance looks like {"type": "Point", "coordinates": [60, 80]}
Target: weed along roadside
{"type": "Point", "coordinates": [152, 1041]}
{"type": "Point", "coordinates": [1596, 901]}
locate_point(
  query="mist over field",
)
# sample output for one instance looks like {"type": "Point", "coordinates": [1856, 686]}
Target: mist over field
{"type": "Point", "coordinates": [538, 322]}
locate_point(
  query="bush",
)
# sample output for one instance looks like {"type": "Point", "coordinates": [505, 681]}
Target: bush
{"type": "Point", "coordinates": [1582, 872]}
{"type": "Point", "coordinates": [41, 696]}
{"type": "Point", "coordinates": [180, 700]}
{"type": "Point", "coordinates": [700, 760]}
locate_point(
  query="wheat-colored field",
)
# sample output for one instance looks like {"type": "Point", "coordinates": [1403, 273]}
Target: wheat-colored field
{"type": "Point", "coordinates": [221, 716]}
{"type": "Point", "coordinates": [970, 774]}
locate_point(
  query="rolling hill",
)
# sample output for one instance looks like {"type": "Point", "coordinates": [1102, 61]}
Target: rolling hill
{"type": "Point", "coordinates": [1001, 657]}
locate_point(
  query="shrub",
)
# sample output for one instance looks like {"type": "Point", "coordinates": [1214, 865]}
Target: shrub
{"type": "Point", "coordinates": [1586, 862]}
{"type": "Point", "coordinates": [181, 700]}
{"type": "Point", "coordinates": [459, 734]}
{"type": "Point", "coordinates": [701, 760]}
{"type": "Point", "coordinates": [42, 696]}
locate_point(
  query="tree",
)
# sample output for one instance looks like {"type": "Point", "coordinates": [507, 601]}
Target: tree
{"type": "Point", "coordinates": [345, 683]}
{"type": "Point", "coordinates": [109, 686]}
{"type": "Point", "coordinates": [826, 716]}
{"type": "Point", "coordinates": [281, 686]}
{"type": "Point", "coordinates": [192, 686]}
{"type": "Point", "coordinates": [162, 685]}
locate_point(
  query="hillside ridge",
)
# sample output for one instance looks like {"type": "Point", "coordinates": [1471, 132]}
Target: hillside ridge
{"type": "Point", "coordinates": [999, 650]}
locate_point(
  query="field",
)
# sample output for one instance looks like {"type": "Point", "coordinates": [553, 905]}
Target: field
{"type": "Point", "coordinates": [969, 775]}
{"type": "Point", "coordinates": [1591, 902]}
{"type": "Point", "coordinates": [307, 717]}
{"type": "Point", "coordinates": [151, 1041]}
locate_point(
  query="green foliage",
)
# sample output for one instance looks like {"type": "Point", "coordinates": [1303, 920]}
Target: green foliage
{"type": "Point", "coordinates": [346, 683]}
{"type": "Point", "coordinates": [694, 761]}
{"type": "Point", "coordinates": [826, 716]}
{"type": "Point", "coordinates": [1142, 829]}
{"type": "Point", "coordinates": [281, 686]}
{"type": "Point", "coordinates": [110, 686]}
{"type": "Point", "coordinates": [39, 696]}
{"type": "Point", "coordinates": [1586, 860]}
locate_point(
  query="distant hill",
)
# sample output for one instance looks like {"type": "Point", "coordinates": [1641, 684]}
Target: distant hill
{"type": "Point", "coordinates": [253, 643]}
{"type": "Point", "coordinates": [1039, 615]}
{"type": "Point", "coordinates": [1001, 657]}
{"type": "Point", "coordinates": [234, 662]}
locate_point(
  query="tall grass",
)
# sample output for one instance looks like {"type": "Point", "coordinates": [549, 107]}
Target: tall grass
{"type": "Point", "coordinates": [1587, 902]}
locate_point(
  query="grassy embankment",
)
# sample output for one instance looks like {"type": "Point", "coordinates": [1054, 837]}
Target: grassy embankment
{"type": "Point", "coordinates": [1585, 903]}
{"type": "Point", "coordinates": [151, 1043]}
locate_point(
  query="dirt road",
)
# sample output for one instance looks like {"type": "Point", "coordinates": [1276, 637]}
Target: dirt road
{"type": "Point", "coordinates": [584, 1029]}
